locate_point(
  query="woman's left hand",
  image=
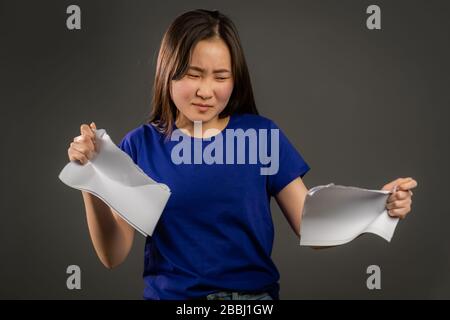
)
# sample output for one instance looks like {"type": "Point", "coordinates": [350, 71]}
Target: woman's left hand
{"type": "Point", "coordinates": [399, 202]}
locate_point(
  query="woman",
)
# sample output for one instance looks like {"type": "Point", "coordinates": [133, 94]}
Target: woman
{"type": "Point", "coordinates": [215, 236]}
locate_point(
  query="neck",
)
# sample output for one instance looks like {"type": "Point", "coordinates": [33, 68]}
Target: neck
{"type": "Point", "coordinates": [208, 128]}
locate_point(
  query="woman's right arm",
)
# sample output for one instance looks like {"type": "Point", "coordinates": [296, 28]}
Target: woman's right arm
{"type": "Point", "coordinates": [111, 236]}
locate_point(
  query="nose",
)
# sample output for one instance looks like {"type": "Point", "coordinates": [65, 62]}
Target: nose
{"type": "Point", "coordinates": [204, 91]}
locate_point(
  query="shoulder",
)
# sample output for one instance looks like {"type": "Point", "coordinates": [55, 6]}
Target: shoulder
{"type": "Point", "coordinates": [247, 120]}
{"type": "Point", "coordinates": [140, 135]}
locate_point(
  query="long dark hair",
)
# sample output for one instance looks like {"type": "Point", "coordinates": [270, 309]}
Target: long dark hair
{"type": "Point", "coordinates": [173, 61]}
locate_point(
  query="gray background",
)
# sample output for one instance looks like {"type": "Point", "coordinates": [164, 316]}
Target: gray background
{"type": "Point", "coordinates": [363, 107]}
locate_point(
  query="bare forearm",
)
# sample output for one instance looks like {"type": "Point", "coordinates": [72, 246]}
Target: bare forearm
{"type": "Point", "coordinates": [291, 200]}
{"type": "Point", "coordinates": [111, 236]}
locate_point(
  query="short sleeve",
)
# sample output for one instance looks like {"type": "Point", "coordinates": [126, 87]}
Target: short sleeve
{"type": "Point", "coordinates": [128, 147]}
{"type": "Point", "coordinates": [291, 165]}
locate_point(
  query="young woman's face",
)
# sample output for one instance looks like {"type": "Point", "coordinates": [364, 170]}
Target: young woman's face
{"type": "Point", "coordinates": [207, 86]}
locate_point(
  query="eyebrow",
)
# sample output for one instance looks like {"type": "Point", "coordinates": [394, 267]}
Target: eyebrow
{"type": "Point", "coordinates": [202, 70]}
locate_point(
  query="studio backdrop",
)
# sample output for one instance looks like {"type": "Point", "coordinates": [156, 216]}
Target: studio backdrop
{"type": "Point", "coordinates": [364, 98]}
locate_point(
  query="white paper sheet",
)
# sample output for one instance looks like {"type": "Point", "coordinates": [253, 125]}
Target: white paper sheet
{"type": "Point", "coordinates": [334, 215]}
{"type": "Point", "coordinates": [113, 176]}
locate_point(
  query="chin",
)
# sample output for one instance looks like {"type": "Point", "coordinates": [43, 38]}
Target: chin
{"type": "Point", "coordinates": [199, 116]}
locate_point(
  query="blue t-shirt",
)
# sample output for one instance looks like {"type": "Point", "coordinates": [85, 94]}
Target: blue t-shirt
{"type": "Point", "coordinates": [216, 231]}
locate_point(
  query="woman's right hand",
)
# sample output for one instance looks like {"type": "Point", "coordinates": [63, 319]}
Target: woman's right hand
{"type": "Point", "coordinates": [83, 147]}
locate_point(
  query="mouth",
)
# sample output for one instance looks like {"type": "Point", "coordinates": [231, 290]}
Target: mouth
{"type": "Point", "coordinates": [202, 107]}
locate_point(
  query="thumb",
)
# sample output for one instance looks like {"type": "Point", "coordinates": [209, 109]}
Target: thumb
{"type": "Point", "coordinates": [393, 185]}
{"type": "Point", "coordinates": [390, 186]}
{"type": "Point", "coordinates": [93, 128]}
{"type": "Point", "coordinates": [392, 189]}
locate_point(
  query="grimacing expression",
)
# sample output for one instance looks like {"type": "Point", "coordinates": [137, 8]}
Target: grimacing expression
{"type": "Point", "coordinates": [205, 89]}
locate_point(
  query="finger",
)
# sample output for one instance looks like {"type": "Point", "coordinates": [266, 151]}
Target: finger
{"type": "Point", "coordinates": [399, 195]}
{"type": "Point", "coordinates": [79, 146]}
{"type": "Point", "coordinates": [86, 148]}
{"type": "Point", "coordinates": [390, 186]}
{"type": "Point", "coordinates": [398, 204]}
{"type": "Point", "coordinates": [94, 128]}
{"type": "Point", "coordinates": [82, 139]}
{"type": "Point", "coordinates": [398, 213]}
{"type": "Point", "coordinates": [86, 130]}
{"type": "Point", "coordinates": [408, 185]}
{"type": "Point", "coordinates": [75, 155]}
{"type": "Point", "coordinates": [85, 140]}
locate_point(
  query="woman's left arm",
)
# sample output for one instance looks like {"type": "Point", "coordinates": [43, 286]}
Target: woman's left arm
{"type": "Point", "coordinates": [292, 198]}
